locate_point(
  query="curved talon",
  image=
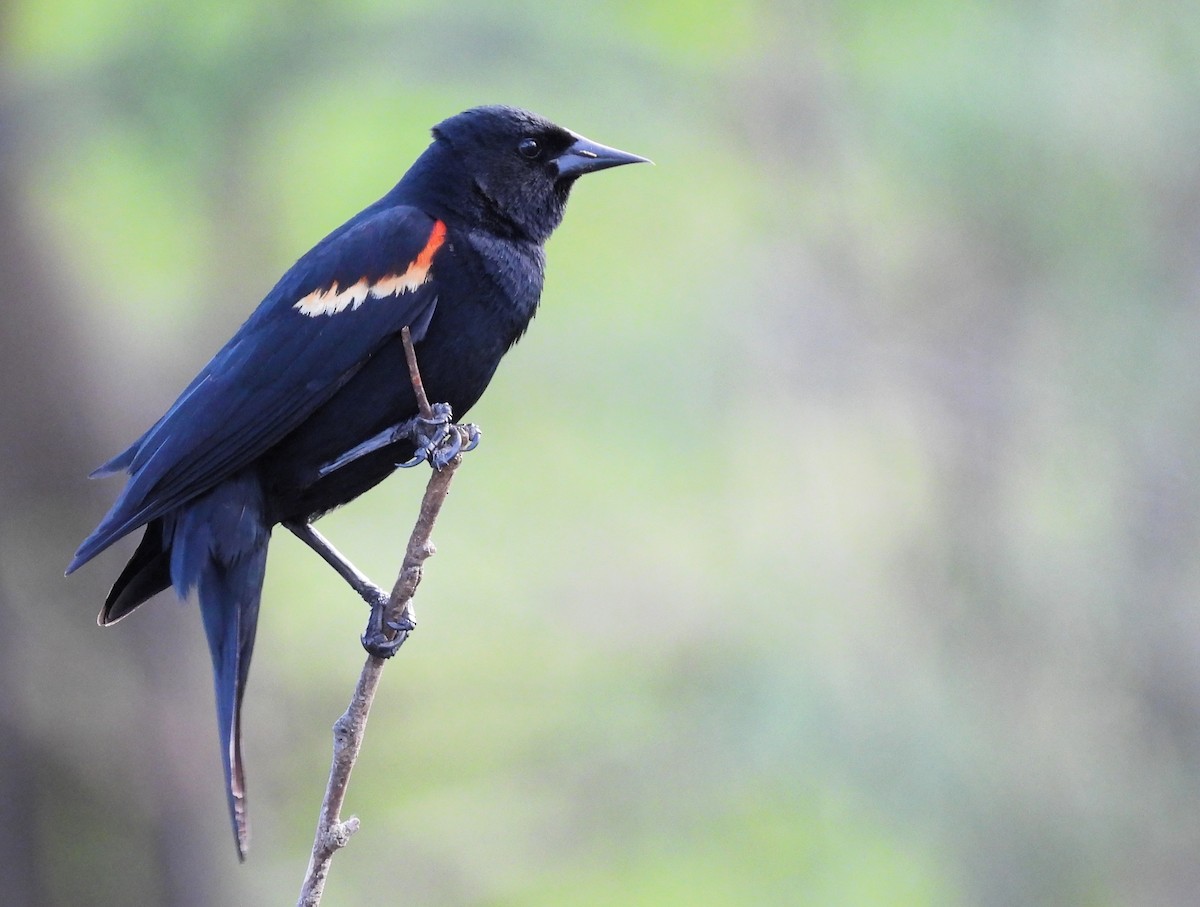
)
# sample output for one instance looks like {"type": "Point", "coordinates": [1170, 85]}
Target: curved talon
{"type": "Point", "coordinates": [474, 436]}
{"type": "Point", "coordinates": [447, 450]}
{"type": "Point", "coordinates": [401, 624]}
{"type": "Point", "coordinates": [382, 647]}
{"type": "Point", "coordinates": [375, 637]}
{"type": "Point", "coordinates": [429, 432]}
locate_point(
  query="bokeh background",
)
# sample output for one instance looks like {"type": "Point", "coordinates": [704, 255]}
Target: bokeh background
{"type": "Point", "coordinates": [836, 534]}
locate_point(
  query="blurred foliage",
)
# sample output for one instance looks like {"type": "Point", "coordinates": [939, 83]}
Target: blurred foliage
{"type": "Point", "coordinates": [836, 534]}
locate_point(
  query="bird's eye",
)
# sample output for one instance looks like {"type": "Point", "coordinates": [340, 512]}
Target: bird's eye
{"type": "Point", "coordinates": [529, 148]}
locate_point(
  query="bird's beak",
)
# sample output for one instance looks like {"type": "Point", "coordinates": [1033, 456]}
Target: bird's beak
{"type": "Point", "coordinates": [586, 156]}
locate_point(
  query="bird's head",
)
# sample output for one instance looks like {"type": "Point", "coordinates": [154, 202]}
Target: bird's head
{"type": "Point", "coordinates": [522, 165]}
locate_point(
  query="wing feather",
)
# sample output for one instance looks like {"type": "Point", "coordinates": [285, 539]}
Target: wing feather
{"type": "Point", "coordinates": [323, 320]}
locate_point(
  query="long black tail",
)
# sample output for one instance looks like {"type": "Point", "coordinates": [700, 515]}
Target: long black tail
{"type": "Point", "coordinates": [218, 546]}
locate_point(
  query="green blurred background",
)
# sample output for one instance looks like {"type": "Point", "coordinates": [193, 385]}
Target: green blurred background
{"type": "Point", "coordinates": [836, 534]}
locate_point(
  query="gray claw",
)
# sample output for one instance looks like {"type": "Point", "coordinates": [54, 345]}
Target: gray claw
{"type": "Point", "coordinates": [440, 440]}
{"type": "Point", "coordinates": [447, 450]}
{"type": "Point", "coordinates": [375, 638]}
{"type": "Point", "coordinates": [474, 435]}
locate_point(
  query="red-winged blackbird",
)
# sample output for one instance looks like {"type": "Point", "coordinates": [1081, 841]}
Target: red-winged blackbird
{"type": "Point", "coordinates": [310, 404]}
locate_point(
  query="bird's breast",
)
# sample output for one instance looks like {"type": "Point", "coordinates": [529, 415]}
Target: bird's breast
{"type": "Point", "coordinates": [487, 292]}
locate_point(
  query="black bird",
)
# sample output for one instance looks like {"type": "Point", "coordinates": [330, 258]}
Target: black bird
{"type": "Point", "coordinates": [310, 404]}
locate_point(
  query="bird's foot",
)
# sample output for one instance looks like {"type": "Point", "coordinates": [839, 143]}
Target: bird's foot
{"type": "Point", "coordinates": [438, 440]}
{"type": "Point", "coordinates": [383, 636]}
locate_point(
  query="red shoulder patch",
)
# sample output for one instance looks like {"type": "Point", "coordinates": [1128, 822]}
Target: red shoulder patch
{"type": "Point", "coordinates": [334, 298]}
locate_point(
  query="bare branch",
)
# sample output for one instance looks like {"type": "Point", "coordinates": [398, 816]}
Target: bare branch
{"type": "Point", "coordinates": [348, 731]}
{"type": "Point", "coordinates": [414, 374]}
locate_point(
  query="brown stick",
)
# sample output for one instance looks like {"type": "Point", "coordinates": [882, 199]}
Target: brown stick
{"type": "Point", "coordinates": [414, 374]}
{"type": "Point", "coordinates": [348, 731]}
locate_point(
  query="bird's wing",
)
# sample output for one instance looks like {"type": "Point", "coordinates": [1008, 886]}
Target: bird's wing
{"type": "Point", "coordinates": [315, 329]}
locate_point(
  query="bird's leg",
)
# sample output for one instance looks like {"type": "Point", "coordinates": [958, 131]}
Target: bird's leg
{"type": "Point", "coordinates": [375, 638]}
{"type": "Point", "coordinates": [438, 440]}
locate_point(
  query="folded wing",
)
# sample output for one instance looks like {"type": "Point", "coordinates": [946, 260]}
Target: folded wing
{"type": "Point", "coordinates": [337, 305]}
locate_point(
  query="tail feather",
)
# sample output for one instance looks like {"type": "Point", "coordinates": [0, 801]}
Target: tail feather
{"type": "Point", "coordinates": [147, 573]}
{"type": "Point", "coordinates": [219, 547]}
{"type": "Point", "coordinates": [111, 528]}
{"type": "Point", "coordinates": [120, 463]}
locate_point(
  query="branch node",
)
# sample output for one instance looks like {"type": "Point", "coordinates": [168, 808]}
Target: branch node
{"type": "Point", "coordinates": [341, 833]}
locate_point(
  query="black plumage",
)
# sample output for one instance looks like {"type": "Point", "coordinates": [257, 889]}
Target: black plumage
{"type": "Point", "coordinates": [455, 253]}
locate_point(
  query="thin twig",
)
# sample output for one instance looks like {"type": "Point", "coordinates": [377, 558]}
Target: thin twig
{"type": "Point", "coordinates": [414, 373]}
{"type": "Point", "coordinates": [348, 731]}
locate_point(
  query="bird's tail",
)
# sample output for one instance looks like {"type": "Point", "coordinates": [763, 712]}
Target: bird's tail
{"type": "Point", "coordinates": [218, 546]}
{"type": "Point", "coordinates": [147, 573]}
